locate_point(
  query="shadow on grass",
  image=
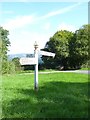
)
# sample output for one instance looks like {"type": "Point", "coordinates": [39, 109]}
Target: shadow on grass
{"type": "Point", "coordinates": [53, 100]}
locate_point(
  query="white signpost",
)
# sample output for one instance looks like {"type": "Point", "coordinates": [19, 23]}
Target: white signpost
{"type": "Point", "coordinates": [47, 53]}
{"type": "Point", "coordinates": [34, 61]}
{"type": "Point", "coordinates": [27, 61]}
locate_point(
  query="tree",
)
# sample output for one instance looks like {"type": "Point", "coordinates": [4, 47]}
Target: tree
{"type": "Point", "coordinates": [79, 47]}
{"type": "Point", "coordinates": [16, 63]}
{"type": "Point", "coordinates": [59, 44]}
{"type": "Point", "coordinates": [4, 44]}
{"type": "Point", "coordinates": [71, 49]}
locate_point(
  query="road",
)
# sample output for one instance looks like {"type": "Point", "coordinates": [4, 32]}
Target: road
{"type": "Point", "coordinates": [72, 71]}
{"type": "Point", "coordinates": [69, 71]}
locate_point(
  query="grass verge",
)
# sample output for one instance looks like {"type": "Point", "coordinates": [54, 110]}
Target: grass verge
{"type": "Point", "coordinates": [60, 95]}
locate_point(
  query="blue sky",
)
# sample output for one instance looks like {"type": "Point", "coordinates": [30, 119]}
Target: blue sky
{"type": "Point", "coordinates": [28, 22]}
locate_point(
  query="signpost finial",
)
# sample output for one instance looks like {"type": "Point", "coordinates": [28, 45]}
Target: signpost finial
{"type": "Point", "coordinates": [35, 45]}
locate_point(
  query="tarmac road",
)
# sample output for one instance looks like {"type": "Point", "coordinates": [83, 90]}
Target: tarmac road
{"type": "Point", "coordinates": [68, 71]}
{"type": "Point", "coordinates": [75, 71]}
{"type": "Point", "coordinates": [83, 71]}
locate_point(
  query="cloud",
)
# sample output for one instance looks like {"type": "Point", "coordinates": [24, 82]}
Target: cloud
{"type": "Point", "coordinates": [47, 26]}
{"type": "Point", "coordinates": [64, 26]}
{"type": "Point", "coordinates": [61, 11]}
{"type": "Point", "coordinates": [23, 41]}
{"type": "Point", "coordinates": [21, 21]}
{"type": "Point", "coordinates": [18, 22]}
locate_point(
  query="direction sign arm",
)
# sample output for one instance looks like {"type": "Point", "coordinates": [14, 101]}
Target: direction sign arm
{"type": "Point", "coordinates": [47, 53]}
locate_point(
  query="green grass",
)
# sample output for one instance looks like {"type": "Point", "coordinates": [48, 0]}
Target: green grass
{"type": "Point", "coordinates": [60, 95]}
{"type": "Point", "coordinates": [85, 68]}
{"type": "Point", "coordinates": [32, 71]}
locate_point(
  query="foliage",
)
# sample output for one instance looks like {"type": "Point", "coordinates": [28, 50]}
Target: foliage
{"type": "Point", "coordinates": [59, 44]}
{"type": "Point", "coordinates": [59, 96]}
{"type": "Point", "coordinates": [79, 47]}
{"type": "Point", "coordinates": [16, 63]}
{"type": "Point", "coordinates": [71, 49]}
{"type": "Point", "coordinates": [4, 44]}
{"type": "Point", "coordinates": [8, 68]}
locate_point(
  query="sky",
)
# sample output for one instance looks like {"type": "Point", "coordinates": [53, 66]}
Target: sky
{"type": "Point", "coordinates": [28, 22]}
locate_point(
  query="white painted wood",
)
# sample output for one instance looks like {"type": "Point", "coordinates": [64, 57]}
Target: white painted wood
{"type": "Point", "coordinates": [28, 61]}
{"type": "Point", "coordinates": [47, 53]}
{"type": "Point", "coordinates": [36, 71]}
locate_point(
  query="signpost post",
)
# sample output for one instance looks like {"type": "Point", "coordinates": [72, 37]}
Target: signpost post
{"type": "Point", "coordinates": [34, 61]}
{"type": "Point", "coordinates": [36, 67]}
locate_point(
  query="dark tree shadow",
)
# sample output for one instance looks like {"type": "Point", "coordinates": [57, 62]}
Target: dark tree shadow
{"type": "Point", "coordinates": [52, 100]}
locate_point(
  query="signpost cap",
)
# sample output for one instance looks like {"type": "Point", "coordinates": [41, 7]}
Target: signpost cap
{"type": "Point", "coordinates": [35, 45]}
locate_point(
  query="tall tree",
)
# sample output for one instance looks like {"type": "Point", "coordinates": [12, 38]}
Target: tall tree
{"type": "Point", "coordinates": [4, 44]}
{"type": "Point", "coordinates": [59, 44]}
{"type": "Point", "coordinates": [71, 48]}
{"type": "Point", "coordinates": [79, 47]}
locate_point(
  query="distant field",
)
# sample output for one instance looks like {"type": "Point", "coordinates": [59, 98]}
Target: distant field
{"type": "Point", "coordinates": [60, 95]}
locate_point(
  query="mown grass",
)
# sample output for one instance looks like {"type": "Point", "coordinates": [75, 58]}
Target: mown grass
{"type": "Point", "coordinates": [32, 71]}
{"type": "Point", "coordinates": [60, 95]}
{"type": "Point", "coordinates": [85, 68]}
